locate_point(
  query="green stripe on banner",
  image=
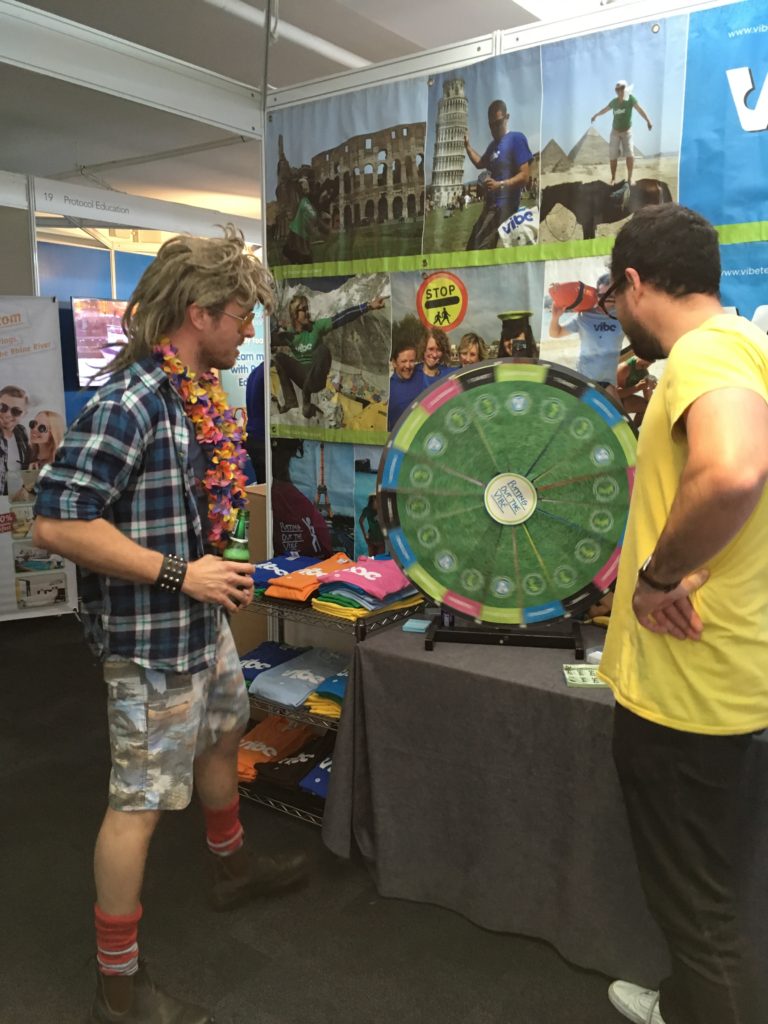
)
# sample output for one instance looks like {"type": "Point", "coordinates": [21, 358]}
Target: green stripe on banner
{"type": "Point", "coordinates": [518, 254]}
{"type": "Point", "coordinates": [730, 234]}
{"type": "Point", "coordinates": [349, 268]}
{"type": "Point", "coordinates": [448, 260]}
{"type": "Point", "coordinates": [335, 435]}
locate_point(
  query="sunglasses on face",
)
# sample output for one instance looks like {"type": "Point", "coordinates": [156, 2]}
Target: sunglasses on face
{"type": "Point", "coordinates": [14, 410]}
{"type": "Point", "coordinates": [38, 426]}
{"type": "Point", "coordinates": [245, 321]}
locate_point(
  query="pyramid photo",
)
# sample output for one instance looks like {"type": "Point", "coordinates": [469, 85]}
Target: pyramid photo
{"type": "Point", "coordinates": [592, 148]}
{"type": "Point", "coordinates": [553, 157]}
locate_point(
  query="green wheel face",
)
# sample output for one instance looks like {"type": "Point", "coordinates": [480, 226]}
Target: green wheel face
{"type": "Point", "coordinates": [505, 489]}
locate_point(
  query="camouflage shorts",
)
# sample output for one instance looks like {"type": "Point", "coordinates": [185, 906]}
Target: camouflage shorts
{"type": "Point", "coordinates": [160, 721]}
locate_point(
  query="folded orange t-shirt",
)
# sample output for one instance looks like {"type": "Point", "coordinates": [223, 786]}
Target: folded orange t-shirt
{"type": "Point", "coordinates": [300, 585]}
{"type": "Point", "coordinates": [274, 738]}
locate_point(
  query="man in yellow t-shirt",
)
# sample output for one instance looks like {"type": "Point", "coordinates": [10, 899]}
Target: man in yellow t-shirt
{"type": "Point", "coordinates": [686, 649]}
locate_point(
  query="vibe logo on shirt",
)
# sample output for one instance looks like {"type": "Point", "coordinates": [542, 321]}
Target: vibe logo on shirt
{"type": "Point", "coordinates": [358, 570]}
{"type": "Point", "coordinates": [305, 676]}
{"type": "Point", "coordinates": [298, 759]}
{"type": "Point", "coordinates": [311, 572]}
{"type": "Point", "coordinates": [271, 567]}
{"type": "Point", "coordinates": [259, 746]}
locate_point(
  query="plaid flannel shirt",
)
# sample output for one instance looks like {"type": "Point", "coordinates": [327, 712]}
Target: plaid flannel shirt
{"type": "Point", "coordinates": [126, 459]}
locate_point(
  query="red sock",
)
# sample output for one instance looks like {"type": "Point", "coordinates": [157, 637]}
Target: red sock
{"type": "Point", "coordinates": [224, 833]}
{"type": "Point", "coordinates": [117, 947]}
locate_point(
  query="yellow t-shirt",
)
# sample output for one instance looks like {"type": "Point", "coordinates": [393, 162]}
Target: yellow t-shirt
{"type": "Point", "coordinates": [718, 684]}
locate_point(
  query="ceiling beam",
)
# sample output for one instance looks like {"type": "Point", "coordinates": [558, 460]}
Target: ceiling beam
{"type": "Point", "coordinates": [63, 49]}
{"type": "Point", "coordinates": [290, 33]}
{"type": "Point", "coordinates": [607, 14]}
{"type": "Point", "coordinates": [139, 161]}
{"type": "Point", "coordinates": [442, 58]}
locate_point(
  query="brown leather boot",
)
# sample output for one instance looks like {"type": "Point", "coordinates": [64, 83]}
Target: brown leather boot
{"type": "Point", "coordinates": [135, 999]}
{"type": "Point", "coordinates": [242, 876]}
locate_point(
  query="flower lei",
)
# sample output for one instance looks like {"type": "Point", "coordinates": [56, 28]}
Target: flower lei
{"type": "Point", "coordinates": [219, 436]}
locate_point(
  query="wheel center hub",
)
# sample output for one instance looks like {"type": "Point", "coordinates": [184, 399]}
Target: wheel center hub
{"type": "Point", "coordinates": [510, 499]}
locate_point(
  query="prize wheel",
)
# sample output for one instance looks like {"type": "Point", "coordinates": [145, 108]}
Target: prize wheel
{"type": "Point", "coordinates": [504, 491]}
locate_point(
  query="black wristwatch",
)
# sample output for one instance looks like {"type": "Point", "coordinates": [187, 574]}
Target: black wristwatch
{"type": "Point", "coordinates": [642, 574]}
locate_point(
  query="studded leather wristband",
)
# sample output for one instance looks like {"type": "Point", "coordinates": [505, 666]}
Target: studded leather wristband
{"type": "Point", "coordinates": [172, 573]}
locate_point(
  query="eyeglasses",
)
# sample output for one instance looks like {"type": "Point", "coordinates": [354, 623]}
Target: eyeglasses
{"type": "Point", "coordinates": [38, 426]}
{"type": "Point", "coordinates": [602, 299]}
{"type": "Point", "coordinates": [245, 321]}
{"type": "Point", "coordinates": [14, 410]}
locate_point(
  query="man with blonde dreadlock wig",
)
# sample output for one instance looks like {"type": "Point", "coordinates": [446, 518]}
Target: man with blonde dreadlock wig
{"type": "Point", "coordinates": [141, 495]}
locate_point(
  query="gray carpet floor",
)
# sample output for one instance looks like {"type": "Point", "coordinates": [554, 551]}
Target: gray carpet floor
{"type": "Point", "coordinates": [333, 952]}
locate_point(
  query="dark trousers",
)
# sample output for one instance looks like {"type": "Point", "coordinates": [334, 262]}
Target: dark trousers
{"type": "Point", "coordinates": [684, 796]}
{"type": "Point", "coordinates": [310, 377]}
{"type": "Point", "coordinates": [485, 233]}
{"type": "Point", "coordinates": [297, 249]}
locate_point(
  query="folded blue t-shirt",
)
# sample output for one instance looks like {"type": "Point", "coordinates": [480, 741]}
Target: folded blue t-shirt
{"type": "Point", "coordinates": [282, 565]}
{"type": "Point", "coordinates": [335, 687]}
{"type": "Point", "coordinates": [292, 683]}
{"type": "Point", "coordinates": [267, 655]}
{"type": "Point", "coordinates": [318, 780]}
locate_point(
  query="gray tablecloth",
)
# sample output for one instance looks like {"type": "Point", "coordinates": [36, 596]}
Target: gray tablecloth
{"type": "Point", "coordinates": [471, 777]}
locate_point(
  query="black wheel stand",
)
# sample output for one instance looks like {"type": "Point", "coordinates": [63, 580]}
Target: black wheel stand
{"type": "Point", "coordinates": [564, 634]}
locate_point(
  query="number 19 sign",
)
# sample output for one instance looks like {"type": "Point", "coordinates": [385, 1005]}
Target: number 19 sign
{"type": "Point", "coordinates": [442, 301]}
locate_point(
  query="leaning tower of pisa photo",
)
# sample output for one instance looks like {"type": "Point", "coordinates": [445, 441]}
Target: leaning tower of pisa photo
{"type": "Point", "coordinates": [450, 129]}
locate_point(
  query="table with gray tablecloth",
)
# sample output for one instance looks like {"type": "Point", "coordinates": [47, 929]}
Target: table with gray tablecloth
{"type": "Point", "coordinates": [471, 777]}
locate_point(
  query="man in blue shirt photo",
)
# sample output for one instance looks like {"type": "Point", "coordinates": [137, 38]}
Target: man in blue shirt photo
{"type": "Point", "coordinates": [506, 161]}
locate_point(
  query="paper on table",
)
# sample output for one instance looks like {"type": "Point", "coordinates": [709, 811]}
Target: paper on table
{"type": "Point", "coordinates": [581, 675]}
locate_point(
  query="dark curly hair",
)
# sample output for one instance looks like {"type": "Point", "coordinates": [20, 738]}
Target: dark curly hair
{"type": "Point", "coordinates": [672, 248]}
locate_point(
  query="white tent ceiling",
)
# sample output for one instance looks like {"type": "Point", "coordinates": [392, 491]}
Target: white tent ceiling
{"type": "Point", "coordinates": [52, 128]}
{"type": "Point", "coordinates": [219, 34]}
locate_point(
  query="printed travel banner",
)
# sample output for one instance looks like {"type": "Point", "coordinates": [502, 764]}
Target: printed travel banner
{"type": "Point", "coordinates": [724, 157]}
{"type": "Point", "coordinates": [33, 582]}
{"type": "Point", "coordinates": [345, 178]}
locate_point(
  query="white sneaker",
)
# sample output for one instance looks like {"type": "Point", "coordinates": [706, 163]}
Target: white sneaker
{"type": "Point", "coordinates": [637, 1004]}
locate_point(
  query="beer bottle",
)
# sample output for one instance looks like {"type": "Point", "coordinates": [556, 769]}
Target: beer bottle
{"type": "Point", "coordinates": [237, 545]}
